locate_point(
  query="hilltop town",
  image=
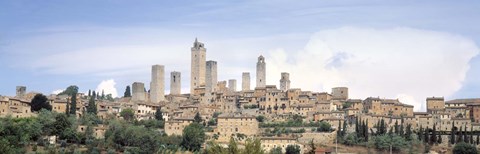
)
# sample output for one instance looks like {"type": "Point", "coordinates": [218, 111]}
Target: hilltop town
{"type": "Point", "coordinates": [278, 116]}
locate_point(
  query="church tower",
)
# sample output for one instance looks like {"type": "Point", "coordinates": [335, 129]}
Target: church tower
{"type": "Point", "coordinates": [261, 72]}
{"type": "Point", "coordinates": [198, 62]}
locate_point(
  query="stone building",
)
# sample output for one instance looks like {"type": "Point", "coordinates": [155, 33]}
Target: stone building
{"type": "Point", "coordinates": [245, 81]}
{"type": "Point", "coordinates": [269, 143]}
{"type": "Point", "coordinates": [261, 72]}
{"type": "Point", "coordinates": [235, 123]}
{"type": "Point", "coordinates": [138, 91]}
{"type": "Point", "coordinates": [232, 85]}
{"type": "Point", "coordinates": [157, 85]}
{"type": "Point", "coordinates": [176, 126]}
{"type": "Point", "coordinates": [435, 103]}
{"type": "Point", "coordinates": [340, 93]}
{"type": "Point", "coordinates": [198, 62]}
{"type": "Point", "coordinates": [211, 76]}
{"type": "Point", "coordinates": [175, 83]}
{"type": "Point", "coordinates": [285, 81]}
{"type": "Point", "coordinates": [21, 90]}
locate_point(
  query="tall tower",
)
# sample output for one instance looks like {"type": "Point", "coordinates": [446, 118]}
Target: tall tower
{"type": "Point", "coordinates": [211, 76]}
{"type": "Point", "coordinates": [21, 90]}
{"type": "Point", "coordinates": [197, 77]}
{"type": "Point", "coordinates": [285, 81]}
{"type": "Point", "coordinates": [245, 81]}
{"type": "Point", "coordinates": [261, 74]}
{"type": "Point", "coordinates": [138, 91]}
{"type": "Point", "coordinates": [157, 85]}
{"type": "Point", "coordinates": [175, 83]}
{"type": "Point", "coordinates": [232, 85]}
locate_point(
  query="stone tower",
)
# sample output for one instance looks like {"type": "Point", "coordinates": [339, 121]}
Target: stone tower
{"type": "Point", "coordinates": [285, 81]}
{"type": "Point", "coordinates": [261, 72]}
{"type": "Point", "coordinates": [138, 91]}
{"type": "Point", "coordinates": [157, 86]}
{"type": "Point", "coordinates": [197, 77]}
{"type": "Point", "coordinates": [21, 90]}
{"type": "Point", "coordinates": [211, 76]}
{"type": "Point", "coordinates": [232, 85]}
{"type": "Point", "coordinates": [245, 81]}
{"type": "Point", "coordinates": [175, 83]}
{"type": "Point", "coordinates": [340, 93]}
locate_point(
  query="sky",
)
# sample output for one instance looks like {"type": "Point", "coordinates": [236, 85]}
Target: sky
{"type": "Point", "coordinates": [405, 49]}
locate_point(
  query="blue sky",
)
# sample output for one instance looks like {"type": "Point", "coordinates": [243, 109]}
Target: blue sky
{"type": "Point", "coordinates": [48, 45]}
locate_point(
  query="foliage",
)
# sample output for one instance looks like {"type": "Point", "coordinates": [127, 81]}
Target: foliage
{"type": "Point", "coordinates": [312, 147]}
{"type": "Point", "coordinates": [128, 114]}
{"type": "Point", "coordinates": [260, 118]}
{"type": "Point", "coordinates": [324, 127]}
{"type": "Point", "coordinates": [61, 124]}
{"type": "Point", "coordinates": [70, 91]}
{"type": "Point", "coordinates": [464, 148]}
{"type": "Point", "coordinates": [251, 106]}
{"type": "Point", "coordinates": [292, 149]}
{"type": "Point", "coordinates": [92, 106]}
{"type": "Point", "coordinates": [159, 114]}
{"type": "Point", "coordinates": [193, 137]}
{"type": "Point", "coordinates": [253, 146]}
{"type": "Point", "coordinates": [383, 142]}
{"type": "Point", "coordinates": [277, 150]}
{"type": "Point", "coordinates": [127, 92]}
{"type": "Point", "coordinates": [73, 104]}
{"type": "Point", "coordinates": [39, 102]}
{"type": "Point", "coordinates": [197, 118]}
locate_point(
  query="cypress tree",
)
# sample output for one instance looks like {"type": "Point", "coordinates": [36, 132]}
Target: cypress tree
{"type": "Point", "coordinates": [471, 135]}
{"type": "Point", "coordinates": [460, 135]}
{"type": "Point", "coordinates": [396, 127]}
{"type": "Point", "coordinates": [439, 140]}
{"type": "Point", "coordinates": [89, 93]}
{"type": "Point", "coordinates": [92, 107]}
{"type": "Point", "coordinates": [365, 129]}
{"type": "Point", "coordinates": [420, 133]}
{"type": "Point", "coordinates": [465, 135]}
{"type": "Point", "coordinates": [452, 134]}
{"type": "Point", "coordinates": [73, 106]}
{"type": "Point", "coordinates": [434, 134]}
{"type": "Point", "coordinates": [67, 109]}
{"type": "Point", "coordinates": [478, 138]}
{"type": "Point", "coordinates": [127, 92]}
{"type": "Point", "coordinates": [344, 130]}
{"type": "Point", "coordinates": [383, 128]}
{"type": "Point", "coordinates": [408, 132]}
{"type": "Point", "coordinates": [339, 133]}
{"type": "Point", "coordinates": [402, 132]}
{"type": "Point", "coordinates": [426, 136]}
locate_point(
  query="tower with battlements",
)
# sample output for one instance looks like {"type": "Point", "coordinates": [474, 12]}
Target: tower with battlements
{"type": "Point", "coordinates": [198, 62]}
{"type": "Point", "coordinates": [157, 85]}
{"type": "Point", "coordinates": [175, 83]}
{"type": "Point", "coordinates": [261, 72]}
{"type": "Point", "coordinates": [245, 81]}
{"type": "Point", "coordinates": [285, 81]}
{"type": "Point", "coordinates": [211, 76]}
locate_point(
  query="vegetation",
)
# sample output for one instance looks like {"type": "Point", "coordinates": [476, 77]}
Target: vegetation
{"type": "Point", "coordinates": [292, 149]}
{"type": "Point", "coordinates": [39, 102]}
{"type": "Point", "coordinates": [127, 92]}
{"type": "Point", "coordinates": [251, 147]}
{"type": "Point", "coordinates": [127, 114]}
{"type": "Point", "coordinates": [464, 148]}
{"type": "Point", "coordinates": [324, 127]}
{"type": "Point", "coordinates": [193, 137]}
{"type": "Point", "coordinates": [251, 106]}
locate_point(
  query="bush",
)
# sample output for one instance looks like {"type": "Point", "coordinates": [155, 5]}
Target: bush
{"type": "Point", "coordinates": [464, 148]}
{"type": "Point", "coordinates": [324, 127]}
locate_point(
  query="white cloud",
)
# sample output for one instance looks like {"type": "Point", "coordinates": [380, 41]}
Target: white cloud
{"type": "Point", "coordinates": [404, 63]}
{"type": "Point", "coordinates": [57, 91]}
{"type": "Point", "coordinates": [108, 86]}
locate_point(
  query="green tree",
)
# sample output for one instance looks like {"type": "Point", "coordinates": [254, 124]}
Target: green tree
{"type": "Point", "coordinates": [193, 137]}
{"type": "Point", "coordinates": [232, 146]}
{"type": "Point", "coordinates": [92, 106]}
{"type": "Point", "coordinates": [73, 102]}
{"type": "Point", "coordinates": [39, 102]}
{"type": "Point", "coordinates": [408, 132]}
{"type": "Point", "coordinates": [433, 139]}
{"type": "Point", "coordinates": [260, 118]}
{"type": "Point", "coordinates": [277, 150]}
{"type": "Point", "coordinates": [159, 115]}
{"type": "Point", "coordinates": [127, 114]}
{"type": "Point", "coordinates": [464, 148]}
{"type": "Point", "coordinates": [452, 134]}
{"type": "Point", "coordinates": [197, 118]}
{"type": "Point", "coordinates": [312, 147]}
{"type": "Point", "coordinates": [324, 127]}
{"type": "Point", "coordinates": [73, 89]}
{"type": "Point", "coordinates": [61, 124]}
{"type": "Point", "coordinates": [253, 147]}
{"type": "Point", "coordinates": [127, 92]}
{"type": "Point", "coordinates": [292, 149]}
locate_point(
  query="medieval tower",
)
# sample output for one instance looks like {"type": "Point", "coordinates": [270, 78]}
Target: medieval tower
{"type": "Point", "coordinates": [232, 85]}
{"type": "Point", "coordinates": [211, 76]}
{"type": "Point", "coordinates": [285, 81]}
{"type": "Point", "coordinates": [175, 83]}
{"type": "Point", "coordinates": [157, 85]}
{"type": "Point", "coordinates": [261, 72]}
{"type": "Point", "coordinates": [138, 91]}
{"type": "Point", "coordinates": [197, 77]}
{"type": "Point", "coordinates": [245, 81]}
